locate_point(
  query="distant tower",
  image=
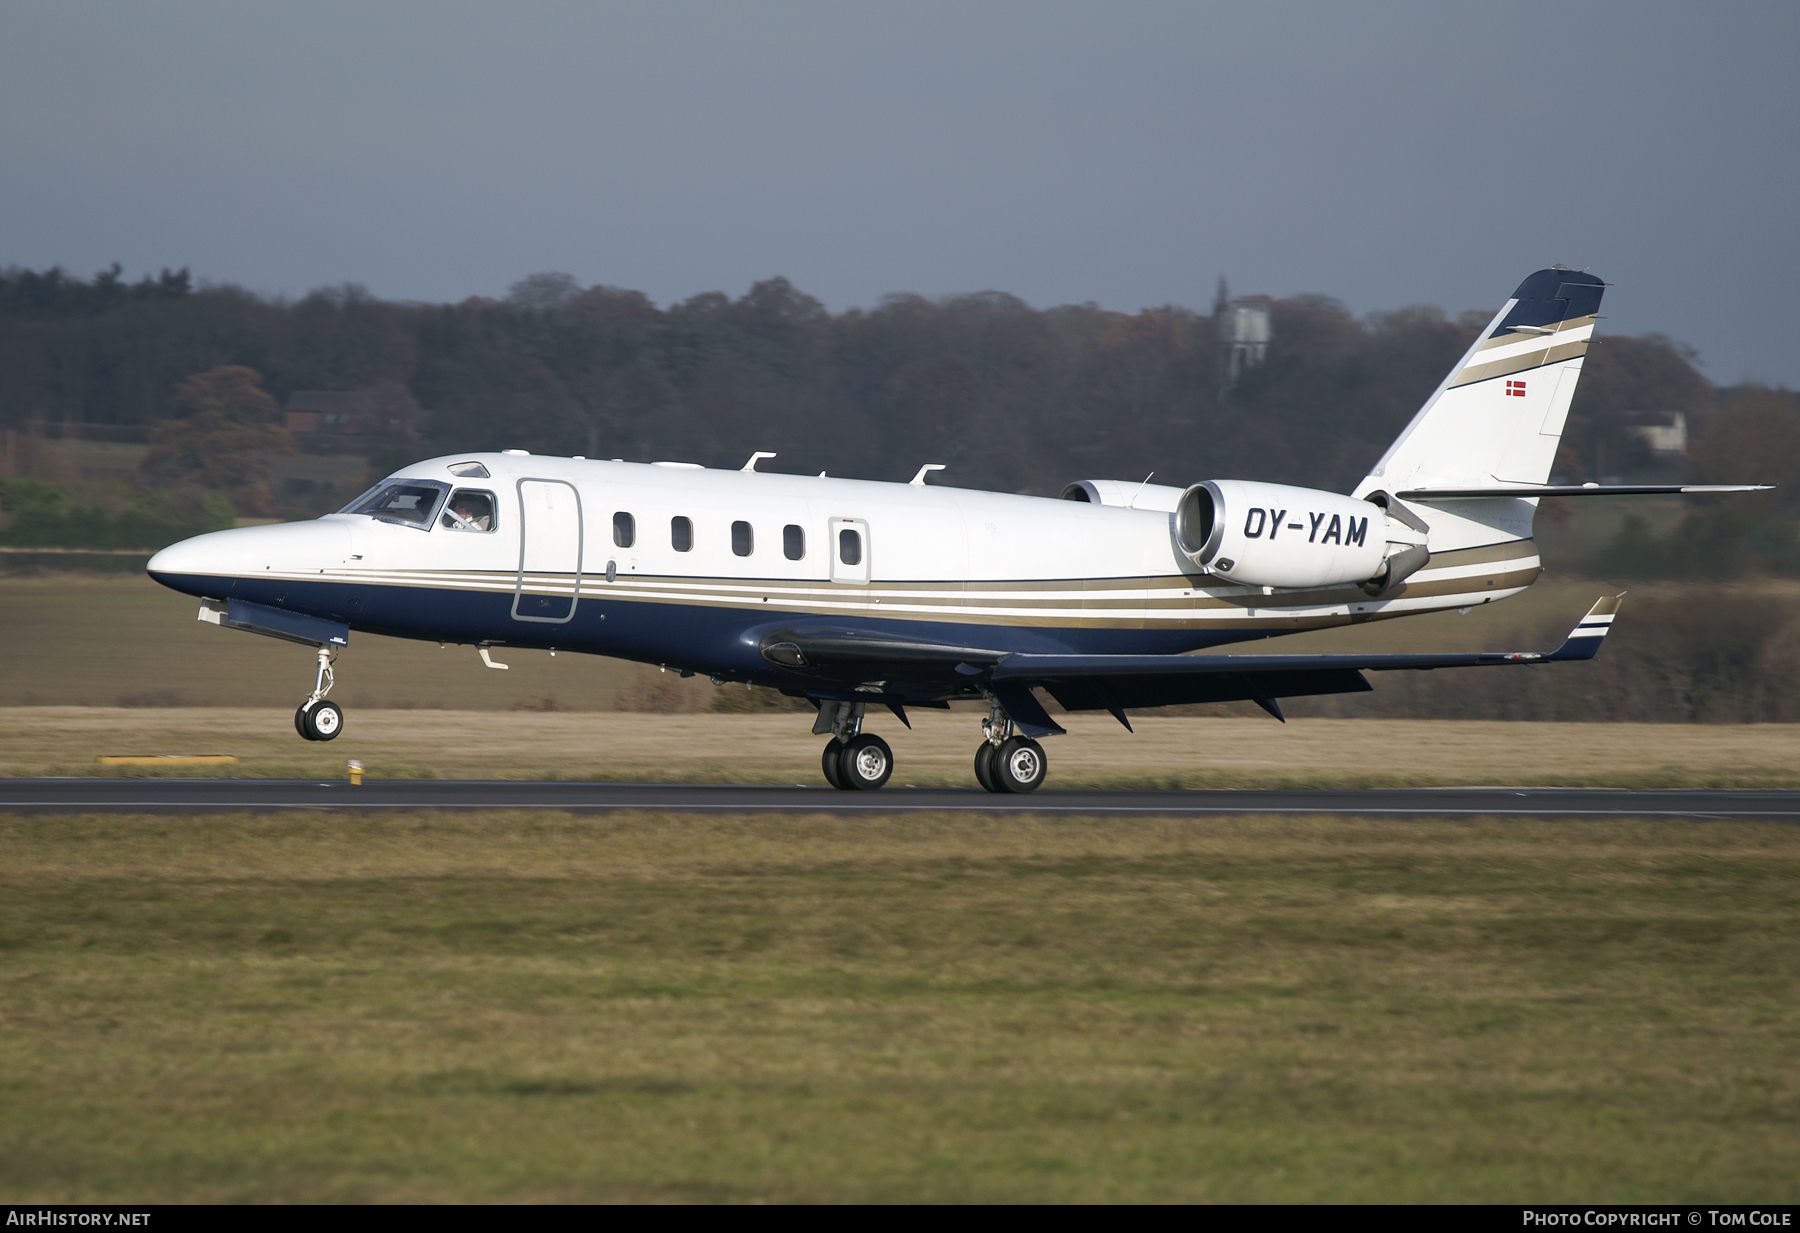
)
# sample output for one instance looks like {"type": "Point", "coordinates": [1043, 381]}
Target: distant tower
{"type": "Point", "coordinates": [1243, 334]}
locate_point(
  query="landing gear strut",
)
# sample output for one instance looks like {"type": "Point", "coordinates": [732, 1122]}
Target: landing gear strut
{"type": "Point", "coordinates": [1005, 761]}
{"type": "Point", "coordinates": [317, 719]}
{"type": "Point", "coordinates": [853, 760]}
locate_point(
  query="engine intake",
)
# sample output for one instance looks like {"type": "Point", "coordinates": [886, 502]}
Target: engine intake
{"type": "Point", "coordinates": [1131, 494]}
{"type": "Point", "coordinates": [1274, 535]}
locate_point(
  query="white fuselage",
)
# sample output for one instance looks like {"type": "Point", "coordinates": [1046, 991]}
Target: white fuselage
{"type": "Point", "coordinates": [1058, 572]}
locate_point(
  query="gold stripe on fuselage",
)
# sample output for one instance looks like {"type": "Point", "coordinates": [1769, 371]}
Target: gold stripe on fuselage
{"type": "Point", "coordinates": [1164, 602]}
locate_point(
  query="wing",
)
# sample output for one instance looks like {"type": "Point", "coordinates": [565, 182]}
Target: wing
{"type": "Point", "coordinates": [1114, 683]}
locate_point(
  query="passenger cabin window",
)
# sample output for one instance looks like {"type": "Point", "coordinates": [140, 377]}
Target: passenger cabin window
{"type": "Point", "coordinates": [624, 529]}
{"type": "Point", "coordinates": [469, 509]}
{"type": "Point", "coordinates": [742, 539]}
{"type": "Point", "coordinates": [793, 542]}
{"type": "Point", "coordinates": [410, 503]}
{"type": "Point", "coordinates": [850, 547]}
{"type": "Point", "coordinates": [681, 533]}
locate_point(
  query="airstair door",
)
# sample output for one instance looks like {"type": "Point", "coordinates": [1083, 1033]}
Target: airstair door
{"type": "Point", "coordinates": [549, 583]}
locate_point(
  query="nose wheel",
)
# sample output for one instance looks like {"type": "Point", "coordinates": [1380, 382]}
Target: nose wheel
{"type": "Point", "coordinates": [317, 719]}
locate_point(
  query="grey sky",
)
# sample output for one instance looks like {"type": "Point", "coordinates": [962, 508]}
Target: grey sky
{"type": "Point", "coordinates": [1125, 153]}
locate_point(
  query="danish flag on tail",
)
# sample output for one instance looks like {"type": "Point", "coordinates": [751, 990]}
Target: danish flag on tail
{"type": "Point", "coordinates": [1515, 389]}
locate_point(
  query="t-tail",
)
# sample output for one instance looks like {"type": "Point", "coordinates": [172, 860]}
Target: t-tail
{"type": "Point", "coordinates": [1497, 419]}
{"type": "Point", "coordinates": [1476, 459]}
{"type": "Point", "coordinates": [1491, 428]}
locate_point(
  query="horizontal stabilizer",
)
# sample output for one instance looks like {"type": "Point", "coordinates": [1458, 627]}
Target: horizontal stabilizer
{"type": "Point", "coordinates": [1576, 490]}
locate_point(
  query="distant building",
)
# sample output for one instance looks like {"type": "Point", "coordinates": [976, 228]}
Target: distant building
{"type": "Point", "coordinates": [323, 415]}
{"type": "Point", "coordinates": [1244, 332]}
{"type": "Point", "coordinates": [1665, 431]}
{"type": "Point", "coordinates": [326, 411]}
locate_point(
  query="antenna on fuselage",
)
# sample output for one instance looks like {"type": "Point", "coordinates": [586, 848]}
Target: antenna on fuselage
{"type": "Point", "coordinates": [1139, 492]}
{"type": "Point", "coordinates": [918, 481]}
{"type": "Point", "coordinates": [754, 459]}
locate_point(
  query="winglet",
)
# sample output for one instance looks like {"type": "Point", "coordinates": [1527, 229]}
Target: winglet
{"type": "Point", "coordinates": [1583, 641]}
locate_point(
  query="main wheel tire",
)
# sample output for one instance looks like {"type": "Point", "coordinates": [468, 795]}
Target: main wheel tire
{"type": "Point", "coordinates": [866, 762]}
{"type": "Point", "coordinates": [300, 721]}
{"type": "Point", "coordinates": [1019, 765]}
{"type": "Point", "coordinates": [324, 720]}
{"type": "Point", "coordinates": [984, 767]}
{"type": "Point", "coordinates": [828, 762]}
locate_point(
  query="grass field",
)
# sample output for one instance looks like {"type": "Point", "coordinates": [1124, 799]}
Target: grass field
{"type": "Point", "coordinates": [543, 1007]}
{"type": "Point", "coordinates": [546, 1007]}
{"type": "Point", "coordinates": [779, 748]}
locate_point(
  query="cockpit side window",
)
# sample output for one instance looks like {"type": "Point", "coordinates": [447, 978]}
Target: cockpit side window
{"type": "Point", "coordinates": [470, 509]}
{"type": "Point", "coordinates": [410, 503]}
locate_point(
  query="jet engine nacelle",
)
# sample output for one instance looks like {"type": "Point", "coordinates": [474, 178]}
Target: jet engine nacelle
{"type": "Point", "coordinates": [1132, 494]}
{"type": "Point", "coordinates": [1272, 535]}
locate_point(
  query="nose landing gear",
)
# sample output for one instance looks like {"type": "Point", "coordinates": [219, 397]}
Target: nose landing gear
{"type": "Point", "coordinates": [317, 719]}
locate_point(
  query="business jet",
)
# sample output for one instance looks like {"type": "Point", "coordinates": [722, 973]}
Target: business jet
{"type": "Point", "coordinates": [868, 597]}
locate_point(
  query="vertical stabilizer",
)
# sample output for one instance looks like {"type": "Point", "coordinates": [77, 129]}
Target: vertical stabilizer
{"type": "Point", "coordinates": [1498, 417]}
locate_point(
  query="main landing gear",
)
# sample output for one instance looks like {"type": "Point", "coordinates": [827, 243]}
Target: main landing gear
{"type": "Point", "coordinates": [1005, 761]}
{"type": "Point", "coordinates": [853, 760]}
{"type": "Point", "coordinates": [317, 719]}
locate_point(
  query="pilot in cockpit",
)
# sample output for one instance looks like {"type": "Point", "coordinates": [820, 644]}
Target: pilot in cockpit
{"type": "Point", "coordinates": [469, 511]}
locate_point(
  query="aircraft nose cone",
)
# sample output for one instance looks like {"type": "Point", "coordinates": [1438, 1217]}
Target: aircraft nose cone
{"type": "Point", "coordinates": [196, 565]}
{"type": "Point", "coordinates": [180, 558]}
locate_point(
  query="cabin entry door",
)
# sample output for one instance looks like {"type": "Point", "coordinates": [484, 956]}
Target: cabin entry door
{"type": "Point", "coordinates": [549, 582]}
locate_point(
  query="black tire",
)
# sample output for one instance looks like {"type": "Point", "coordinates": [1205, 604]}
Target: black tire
{"type": "Point", "coordinates": [984, 767]}
{"type": "Point", "coordinates": [866, 763]}
{"type": "Point", "coordinates": [300, 721]}
{"type": "Point", "coordinates": [828, 762]}
{"type": "Point", "coordinates": [1019, 765]}
{"type": "Point", "coordinates": [324, 721]}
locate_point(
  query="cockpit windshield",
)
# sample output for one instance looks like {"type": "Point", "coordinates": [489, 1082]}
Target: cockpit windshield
{"type": "Point", "coordinates": [410, 503]}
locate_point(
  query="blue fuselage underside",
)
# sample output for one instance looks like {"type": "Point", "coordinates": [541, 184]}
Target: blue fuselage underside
{"type": "Point", "coordinates": [705, 639]}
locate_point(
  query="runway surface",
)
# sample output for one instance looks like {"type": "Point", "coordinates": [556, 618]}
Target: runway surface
{"type": "Point", "coordinates": [188, 795]}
